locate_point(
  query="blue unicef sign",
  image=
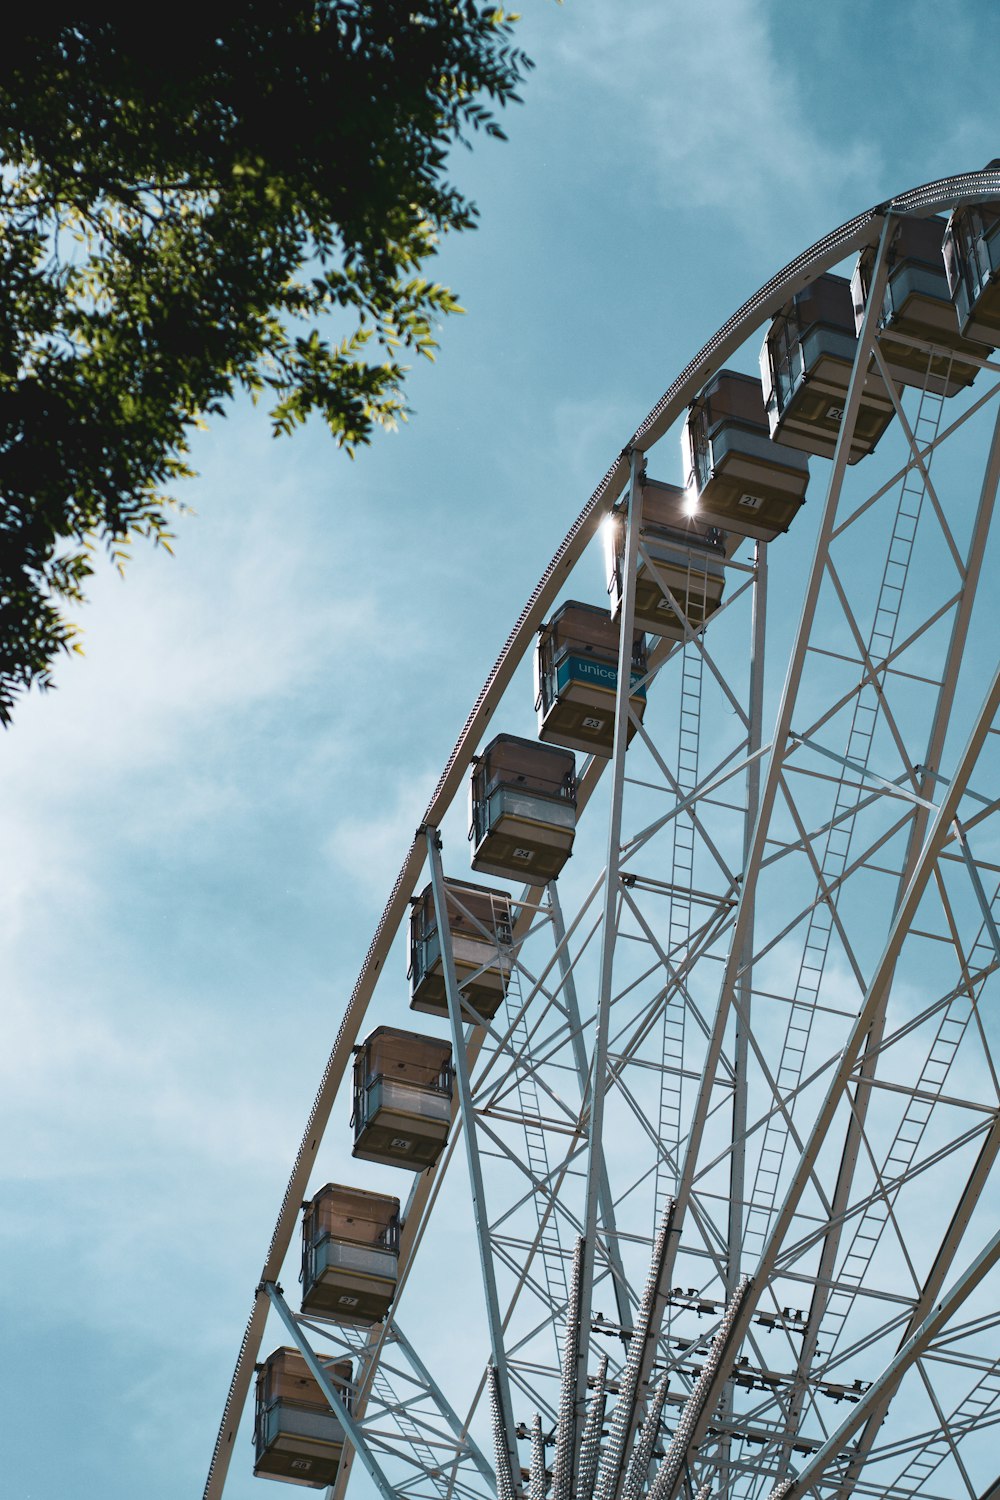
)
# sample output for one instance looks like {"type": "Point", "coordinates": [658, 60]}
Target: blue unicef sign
{"type": "Point", "coordinates": [597, 673]}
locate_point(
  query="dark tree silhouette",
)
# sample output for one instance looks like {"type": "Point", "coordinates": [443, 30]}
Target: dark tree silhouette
{"type": "Point", "coordinates": [244, 201]}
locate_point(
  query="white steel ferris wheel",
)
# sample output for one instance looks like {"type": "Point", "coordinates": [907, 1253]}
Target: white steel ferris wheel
{"type": "Point", "coordinates": [693, 1190]}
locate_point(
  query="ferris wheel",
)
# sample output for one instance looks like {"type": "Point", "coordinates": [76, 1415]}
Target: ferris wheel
{"type": "Point", "coordinates": [677, 1177]}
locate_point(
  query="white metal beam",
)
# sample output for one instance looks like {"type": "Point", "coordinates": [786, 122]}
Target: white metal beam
{"type": "Point", "coordinates": [874, 1002]}
{"type": "Point", "coordinates": [883, 1388]}
{"type": "Point", "coordinates": [505, 1414]}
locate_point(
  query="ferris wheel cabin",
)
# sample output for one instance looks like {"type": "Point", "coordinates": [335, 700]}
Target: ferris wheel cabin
{"type": "Point", "coordinates": [576, 679]}
{"type": "Point", "coordinates": [972, 265]}
{"type": "Point", "coordinates": [523, 809]}
{"type": "Point", "coordinates": [481, 935]}
{"type": "Point", "coordinates": [350, 1254]}
{"type": "Point", "coordinates": [297, 1437]}
{"type": "Point", "coordinates": [402, 1098]}
{"type": "Point", "coordinates": [685, 576]}
{"type": "Point", "coordinates": [805, 367]}
{"type": "Point", "coordinates": [917, 303]}
{"type": "Point", "coordinates": [744, 480]}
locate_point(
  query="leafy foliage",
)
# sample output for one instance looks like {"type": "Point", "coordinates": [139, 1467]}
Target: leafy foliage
{"type": "Point", "coordinates": [242, 201]}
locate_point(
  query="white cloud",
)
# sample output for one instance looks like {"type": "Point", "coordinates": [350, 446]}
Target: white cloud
{"type": "Point", "coordinates": [717, 118]}
{"type": "Point", "coordinates": [171, 652]}
{"type": "Point", "coordinates": [587, 433]}
{"type": "Point", "coordinates": [75, 1080]}
{"type": "Point", "coordinates": [370, 849]}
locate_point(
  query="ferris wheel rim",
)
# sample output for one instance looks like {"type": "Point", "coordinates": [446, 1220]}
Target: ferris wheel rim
{"type": "Point", "coordinates": [864, 229]}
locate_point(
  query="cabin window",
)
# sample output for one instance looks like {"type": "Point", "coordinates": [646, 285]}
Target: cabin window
{"type": "Point", "coordinates": [786, 358]}
{"type": "Point", "coordinates": [702, 453]}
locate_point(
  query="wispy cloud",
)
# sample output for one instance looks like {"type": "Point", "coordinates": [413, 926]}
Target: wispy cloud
{"type": "Point", "coordinates": [142, 1081]}
{"type": "Point", "coordinates": [718, 118]}
{"type": "Point", "coordinates": [369, 850]}
{"type": "Point", "coordinates": [183, 704]}
{"type": "Point", "coordinates": [125, 1125]}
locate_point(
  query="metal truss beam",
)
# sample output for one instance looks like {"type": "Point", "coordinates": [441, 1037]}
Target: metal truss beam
{"type": "Point", "coordinates": [504, 1414]}
{"type": "Point", "coordinates": [593, 1106]}
{"type": "Point", "coordinates": [604, 1194]}
{"type": "Point", "coordinates": [882, 1389]}
{"type": "Point", "coordinates": [871, 1009]}
{"type": "Point", "coordinates": [924, 808]}
{"type": "Point", "coordinates": [782, 736]}
{"type": "Point", "coordinates": [929, 1292]}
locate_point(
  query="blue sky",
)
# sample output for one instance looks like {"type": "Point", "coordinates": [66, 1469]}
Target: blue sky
{"type": "Point", "coordinates": [201, 825]}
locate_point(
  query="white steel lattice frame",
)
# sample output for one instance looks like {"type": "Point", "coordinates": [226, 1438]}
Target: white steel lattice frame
{"type": "Point", "coordinates": [807, 1149]}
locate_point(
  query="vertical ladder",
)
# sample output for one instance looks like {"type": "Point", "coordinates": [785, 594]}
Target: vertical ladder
{"type": "Point", "coordinates": [902, 1149]}
{"type": "Point", "coordinates": [679, 920]}
{"type": "Point", "coordinates": [550, 1246]}
{"type": "Point", "coordinates": [833, 863]}
{"type": "Point", "coordinates": [980, 1402]}
{"type": "Point", "coordinates": [396, 1406]}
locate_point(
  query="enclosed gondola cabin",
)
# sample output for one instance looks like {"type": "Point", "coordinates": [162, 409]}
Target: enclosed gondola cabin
{"type": "Point", "coordinates": [523, 813]}
{"type": "Point", "coordinates": [576, 679]}
{"type": "Point", "coordinates": [972, 265]}
{"type": "Point", "coordinates": [297, 1436]}
{"type": "Point", "coordinates": [805, 368]}
{"type": "Point", "coordinates": [685, 577]}
{"type": "Point", "coordinates": [742, 479]}
{"type": "Point", "coordinates": [402, 1098]}
{"type": "Point", "coordinates": [917, 303]}
{"type": "Point", "coordinates": [350, 1254]}
{"type": "Point", "coordinates": [480, 922]}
